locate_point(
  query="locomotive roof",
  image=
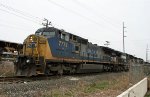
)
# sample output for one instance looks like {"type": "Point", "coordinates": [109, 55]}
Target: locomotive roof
{"type": "Point", "coordinates": [46, 29]}
{"type": "Point", "coordinates": [56, 29]}
{"type": "Point", "coordinates": [119, 52]}
{"type": "Point", "coordinates": [110, 50]}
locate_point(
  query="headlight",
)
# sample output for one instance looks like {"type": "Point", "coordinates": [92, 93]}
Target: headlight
{"type": "Point", "coordinates": [31, 39]}
{"type": "Point", "coordinates": [27, 60]}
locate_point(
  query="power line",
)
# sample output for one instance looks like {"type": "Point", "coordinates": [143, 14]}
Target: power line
{"type": "Point", "coordinates": [18, 28]}
{"type": "Point", "coordinates": [18, 16]}
{"type": "Point", "coordinates": [78, 14]}
{"type": "Point", "coordinates": [74, 12]}
{"type": "Point", "coordinates": [95, 13]}
{"type": "Point", "coordinates": [20, 12]}
{"type": "Point", "coordinates": [16, 23]}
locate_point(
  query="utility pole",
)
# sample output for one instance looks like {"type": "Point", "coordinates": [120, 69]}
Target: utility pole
{"type": "Point", "coordinates": [123, 38]}
{"type": "Point", "coordinates": [147, 53]}
{"type": "Point", "coordinates": [47, 23]}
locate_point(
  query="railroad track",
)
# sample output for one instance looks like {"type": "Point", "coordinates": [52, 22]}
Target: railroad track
{"type": "Point", "coordinates": [11, 80]}
{"type": "Point", "coordinates": [14, 79]}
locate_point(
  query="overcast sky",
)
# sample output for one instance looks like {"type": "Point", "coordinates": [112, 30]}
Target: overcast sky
{"type": "Point", "coordinates": [96, 20]}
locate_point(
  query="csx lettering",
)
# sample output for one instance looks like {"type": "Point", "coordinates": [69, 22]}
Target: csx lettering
{"type": "Point", "coordinates": [61, 43]}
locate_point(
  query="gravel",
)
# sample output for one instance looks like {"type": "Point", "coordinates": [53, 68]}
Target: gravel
{"type": "Point", "coordinates": [72, 83]}
{"type": "Point", "coordinates": [6, 68]}
{"type": "Point", "coordinates": [65, 86]}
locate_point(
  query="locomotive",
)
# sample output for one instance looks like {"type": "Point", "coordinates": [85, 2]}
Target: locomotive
{"type": "Point", "coordinates": [54, 51]}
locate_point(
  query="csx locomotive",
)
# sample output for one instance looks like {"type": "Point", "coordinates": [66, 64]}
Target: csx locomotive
{"type": "Point", "coordinates": [54, 51]}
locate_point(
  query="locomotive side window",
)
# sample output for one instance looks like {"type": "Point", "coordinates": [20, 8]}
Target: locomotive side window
{"type": "Point", "coordinates": [74, 38]}
{"type": "Point", "coordinates": [63, 36]}
{"type": "Point", "coordinates": [76, 48]}
{"type": "Point", "coordinates": [70, 37]}
{"type": "Point", "coordinates": [67, 37]}
{"type": "Point", "coordinates": [59, 34]}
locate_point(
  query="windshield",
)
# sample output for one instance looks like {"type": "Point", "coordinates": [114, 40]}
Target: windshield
{"type": "Point", "coordinates": [38, 33]}
{"type": "Point", "coordinates": [49, 34]}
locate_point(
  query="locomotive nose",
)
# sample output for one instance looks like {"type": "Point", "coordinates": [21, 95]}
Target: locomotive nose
{"type": "Point", "coordinates": [31, 41]}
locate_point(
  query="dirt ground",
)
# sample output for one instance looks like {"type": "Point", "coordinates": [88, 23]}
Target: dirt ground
{"type": "Point", "coordinates": [91, 85]}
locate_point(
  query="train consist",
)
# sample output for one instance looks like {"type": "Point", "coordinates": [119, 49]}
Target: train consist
{"type": "Point", "coordinates": [54, 51]}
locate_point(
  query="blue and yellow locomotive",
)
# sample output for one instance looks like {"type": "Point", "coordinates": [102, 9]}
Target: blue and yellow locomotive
{"type": "Point", "coordinates": [54, 51]}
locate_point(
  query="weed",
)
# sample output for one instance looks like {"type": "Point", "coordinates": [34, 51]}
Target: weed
{"type": "Point", "coordinates": [96, 86]}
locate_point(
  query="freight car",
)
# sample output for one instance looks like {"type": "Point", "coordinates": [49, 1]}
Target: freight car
{"type": "Point", "coordinates": [54, 51]}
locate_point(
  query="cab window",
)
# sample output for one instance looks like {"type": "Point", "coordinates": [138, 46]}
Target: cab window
{"type": "Point", "coordinates": [49, 34]}
{"type": "Point", "coordinates": [38, 33]}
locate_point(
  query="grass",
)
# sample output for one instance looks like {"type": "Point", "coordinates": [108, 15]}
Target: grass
{"type": "Point", "coordinates": [96, 86]}
{"type": "Point", "coordinates": [147, 94]}
{"type": "Point", "coordinates": [58, 93]}
{"type": "Point", "coordinates": [82, 89]}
